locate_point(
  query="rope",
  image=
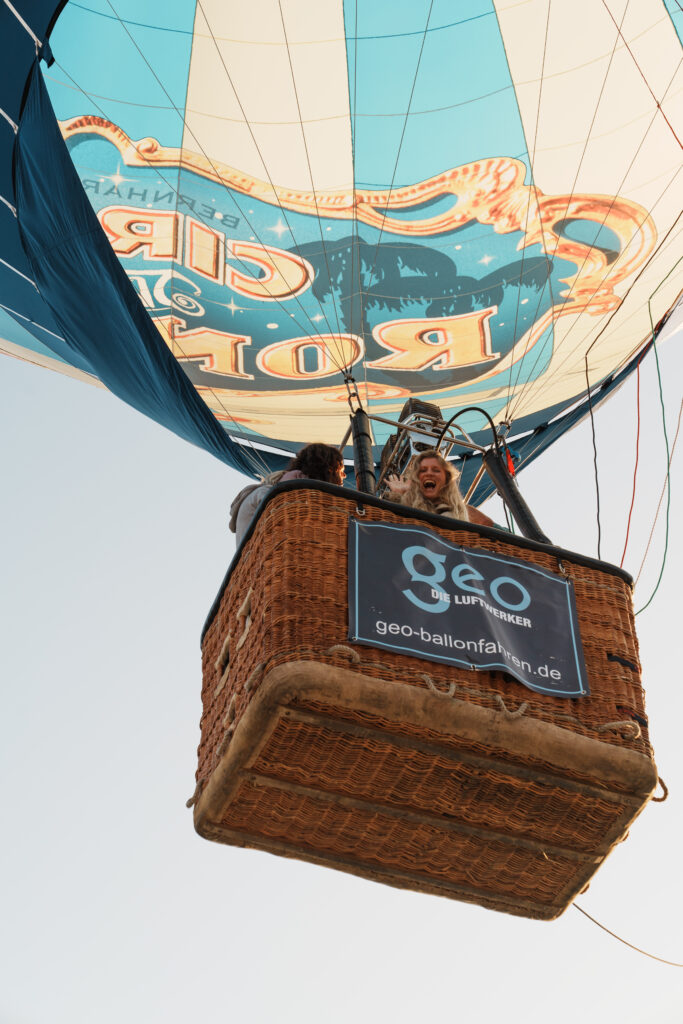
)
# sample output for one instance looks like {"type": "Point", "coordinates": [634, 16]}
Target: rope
{"type": "Point", "coordinates": [195, 796]}
{"type": "Point", "coordinates": [223, 745]}
{"type": "Point", "coordinates": [606, 319]}
{"type": "Point", "coordinates": [665, 791]}
{"type": "Point", "coordinates": [261, 157]}
{"type": "Point", "coordinates": [354, 656]}
{"type": "Point", "coordinates": [403, 132]}
{"type": "Point", "coordinates": [506, 710]}
{"type": "Point", "coordinates": [255, 677]}
{"type": "Point", "coordinates": [224, 655]}
{"type": "Point", "coordinates": [569, 201]}
{"type": "Point", "coordinates": [229, 715]}
{"type": "Point", "coordinates": [644, 952]}
{"type": "Point", "coordinates": [336, 339]}
{"type": "Point", "coordinates": [635, 468]}
{"type": "Point", "coordinates": [629, 730]}
{"type": "Point", "coordinates": [222, 681]}
{"type": "Point", "coordinates": [251, 453]}
{"type": "Point", "coordinates": [208, 158]}
{"type": "Point", "coordinates": [595, 454]}
{"type": "Point", "coordinates": [532, 161]}
{"type": "Point", "coordinates": [667, 486]}
{"type": "Point", "coordinates": [666, 442]}
{"type": "Point", "coordinates": [434, 688]}
{"type": "Point", "coordinates": [643, 76]}
{"type": "Point", "coordinates": [355, 232]}
{"type": "Point", "coordinates": [597, 338]}
{"type": "Point", "coordinates": [661, 496]}
{"type": "Point", "coordinates": [356, 281]}
{"type": "Point", "coordinates": [511, 411]}
{"type": "Point", "coordinates": [548, 437]}
{"type": "Point", "coordinates": [310, 174]}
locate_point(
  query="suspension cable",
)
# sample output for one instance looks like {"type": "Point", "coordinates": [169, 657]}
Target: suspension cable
{"type": "Point", "coordinates": [403, 132]}
{"type": "Point", "coordinates": [569, 200]}
{"type": "Point", "coordinates": [310, 170]}
{"type": "Point", "coordinates": [635, 468]}
{"type": "Point", "coordinates": [255, 454]}
{"type": "Point", "coordinates": [595, 453]}
{"type": "Point", "coordinates": [217, 173]}
{"type": "Point", "coordinates": [661, 496]}
{"type": "Point", "coordinates": [610, 269]}
{"type": "Point", "coordinates": [532, 188]}
{"type": "Point", "coordinates": [260, 153]}
{"type": "Point", "coordinates": [668, 461]}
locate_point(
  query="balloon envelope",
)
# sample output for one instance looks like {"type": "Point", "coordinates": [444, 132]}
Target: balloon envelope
{"type": "Point", "coordinates": [472, 204]}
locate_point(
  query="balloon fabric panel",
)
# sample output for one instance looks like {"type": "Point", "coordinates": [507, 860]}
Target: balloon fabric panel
{"type": "Point", "coordinates": [474, 208]}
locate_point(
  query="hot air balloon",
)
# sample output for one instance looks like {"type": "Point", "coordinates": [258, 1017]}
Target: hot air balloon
{"type": "Point", "coordinates": [380, 226]}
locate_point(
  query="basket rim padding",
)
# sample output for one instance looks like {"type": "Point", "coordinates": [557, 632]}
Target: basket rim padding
{"type": "Point", "coordinates": [559, 749]}
{"type": "Point", "coordinates": [360, 498]}
{"type": "Point", "coordinates": [554, 749]}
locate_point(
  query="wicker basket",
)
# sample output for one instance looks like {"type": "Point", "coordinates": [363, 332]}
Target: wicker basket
{"type": "Point", "coordinates": [421, 775]}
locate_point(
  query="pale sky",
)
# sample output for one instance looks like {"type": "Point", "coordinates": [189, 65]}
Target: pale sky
{"type": "Point", "coordinates": [113, 910]}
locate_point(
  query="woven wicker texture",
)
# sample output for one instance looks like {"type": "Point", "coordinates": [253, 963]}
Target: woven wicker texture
{"type": "Point", "coordinates": [295, 566]}
{"type": "Point", "coordinates": [407, 777]}
{"type": "Point", "coordinates": [389, 799]}
{"type": "Point", "coordinates": [415, 847]}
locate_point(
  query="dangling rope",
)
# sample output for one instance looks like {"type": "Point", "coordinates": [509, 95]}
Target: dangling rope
{"type": "Point", "coordinates": [667, 484]}
{"type": "Point", "coordinates": [666, 442]}
{"type": "Point", "coordinates": [670, 963]}
{"type": "Point", "coordinates": [661, 496]}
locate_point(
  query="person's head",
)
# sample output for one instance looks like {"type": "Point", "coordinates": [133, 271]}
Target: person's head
{"type": "Point", "coordinates": [435, 480]}
{"type": "Point", "coordinates": [320, 462]}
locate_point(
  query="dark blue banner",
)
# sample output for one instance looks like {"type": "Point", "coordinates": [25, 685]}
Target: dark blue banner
{"type": "Point", "coordinates": [415, 593]}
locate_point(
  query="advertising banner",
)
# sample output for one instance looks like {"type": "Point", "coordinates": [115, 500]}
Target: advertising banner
{"type": "Point", "coordinates": [415, 593]}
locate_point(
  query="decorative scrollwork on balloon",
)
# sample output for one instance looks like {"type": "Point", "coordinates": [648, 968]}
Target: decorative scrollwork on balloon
{"type": "Point", "coordinates": [187, 304]}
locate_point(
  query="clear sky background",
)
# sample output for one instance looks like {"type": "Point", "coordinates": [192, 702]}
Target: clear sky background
{"type": "Point", "coordinates": [112, 909]}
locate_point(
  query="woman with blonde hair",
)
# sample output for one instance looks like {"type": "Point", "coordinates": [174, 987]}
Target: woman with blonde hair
{"type": "Point", "coordinates": [430, 484]}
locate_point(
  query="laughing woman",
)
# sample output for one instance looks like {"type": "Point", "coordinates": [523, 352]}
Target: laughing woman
{"type": "Point", "coordinates": [431, 485]}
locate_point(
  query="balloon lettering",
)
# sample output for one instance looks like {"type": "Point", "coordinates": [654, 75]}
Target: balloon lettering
{"type": "Point", "coordinates": [464, 577]}
{"type": "Point", "coordinates": [437, 576]}
{"type": "Point", "coordinates": [439, 342]}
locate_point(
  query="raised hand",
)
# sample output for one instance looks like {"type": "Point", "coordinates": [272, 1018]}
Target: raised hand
{"type": "Point", "coordinates": [397, 485]}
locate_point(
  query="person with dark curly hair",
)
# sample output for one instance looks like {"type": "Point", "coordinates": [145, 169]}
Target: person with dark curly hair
{"type": "Point", "coordinates": [318, 462]}
{"type": "Point", "coordinates": [314, 462]}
